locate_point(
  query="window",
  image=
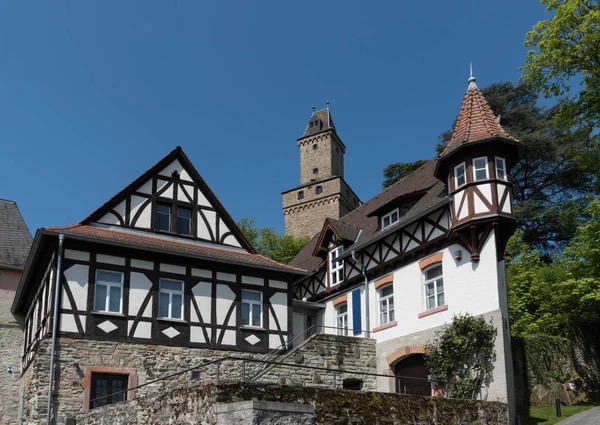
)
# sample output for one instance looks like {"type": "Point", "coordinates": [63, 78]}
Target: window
{"type": "Point", "coordinates": [386, 305]}
{"type": "Point", "coordinates": [109, 291]}
{"type": "Point", "coordinates": [390, 218]}
{"type": "Point", "coordinates": [500, 169]}
{"type": "Point", "coordinates": [336, 271]}
{"type": "Point", "coordinates": [300, 194]}
{"type": "Point", "coordinates": [315, 147]}
{"type": "Point", "coordinates": [104, 385]}
{"type": "Point", "coordinates": [251, 308]}
{"type": "Point", "coordinates": [480, 168]}
{"type": "Point", "coordinates": [342, 319]}
{"type": "Point", "coordinates": [163, 217]}
{"type": "Point", "coordinates": [170, 299]}
{"type": "Point", "coordinates": [184, 221]}
{"type": "Point", "coordinates": [459, 175]}
{"type": "Point", "coordinates": [319, 189]}
{"type": "Point", "coordinates": [434, 287]}
{"type": "Point", "coordinates": [315, 170]}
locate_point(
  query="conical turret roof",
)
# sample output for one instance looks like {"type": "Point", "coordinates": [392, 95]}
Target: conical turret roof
{"type": "Point", "coordinates": [476, 121]}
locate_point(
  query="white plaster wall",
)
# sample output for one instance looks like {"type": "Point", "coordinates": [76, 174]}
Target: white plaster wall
{"type": "Point", "coordinates": [139, 286]}
{"type": "Point", "coordinates": [77, 280]}
{"type": "Point", "coordinates": [279, 303]}
{"type": "Point", "coordinates": [468, 288]}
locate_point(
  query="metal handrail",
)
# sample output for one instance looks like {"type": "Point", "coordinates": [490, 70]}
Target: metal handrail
{"type": "Point", "coordinates": [252, 360]}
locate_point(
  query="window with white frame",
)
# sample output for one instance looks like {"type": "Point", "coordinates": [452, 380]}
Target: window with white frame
{"type": "Point", "coordinates": [342, 319]}
{"type": "Point", "coordinates": [500, 168]}
{"type": "Point", "coordinates": [434, 287]}
{"type": "Point", "coordinates": [390, 218]}
{"type": "Point", "coordinates": [252, 308]}
{"type": "Point", "coordinates": [386, 304]}
{"type": "Point", "coordinates": [336, 268]}
{"type": "Point", "coordinates": [459, 175]}
{"type": "Point", "coordinates": [109, 291]}
{"type": "Point", "coordinates": [480, 168]}
{"type": "Point", "coordinates": [170, 299]}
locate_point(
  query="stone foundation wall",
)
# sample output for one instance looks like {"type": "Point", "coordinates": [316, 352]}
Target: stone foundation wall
{"type": "Point", "coordinates": [330, 352]}
{"type": "Point", "coordinates": [202, 404]}
{"type": "Point", "coordinates": [11, 347]}
{"type": "Point", "coordinates": [75, 359]}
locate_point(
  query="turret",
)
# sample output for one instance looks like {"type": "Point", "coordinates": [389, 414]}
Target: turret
{"type": "Point", "coordinates": [476, 165]}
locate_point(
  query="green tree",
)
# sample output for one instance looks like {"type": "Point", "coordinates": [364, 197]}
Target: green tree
{"type": "Point", "coordinates": [394, 172]}
{"type": "Point", "coordinates": [566, 51]}
{"type": "Point", "coordinates": [281, 248]}
{"type": "Point", "coordinates": [462, 356]}
{"type": "Point", "coordinates": [557, 172]}
{"type": "Point", "coordinates": [561, 297]}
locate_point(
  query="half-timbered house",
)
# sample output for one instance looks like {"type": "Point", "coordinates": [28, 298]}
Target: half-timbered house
{"type": "Point", "coordinates": [162, 263]}
{"type": "Point", "coordinates": [402, 264]}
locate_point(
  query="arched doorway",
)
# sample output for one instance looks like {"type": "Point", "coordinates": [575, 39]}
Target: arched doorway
{"type": "Point", "coordinates": [412, 376]}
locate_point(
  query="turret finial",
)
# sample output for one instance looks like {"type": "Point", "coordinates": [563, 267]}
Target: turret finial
{"type": "Point", "coordinates": [313, 109]}
{"type": "Point", "coordinates": [471, 80]}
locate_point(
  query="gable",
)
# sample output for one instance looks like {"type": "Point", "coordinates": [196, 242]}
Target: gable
{"type": "Point", "coordinates": [174, 183]}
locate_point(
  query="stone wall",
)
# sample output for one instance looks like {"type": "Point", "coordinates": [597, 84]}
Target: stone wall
{"type": "Point", "coordinates": [196, 404]}
{"type": "Point", "coordinates": [11, 347]}
{"type": "Point", "coordinates": [76, 358]}
{"type": "Point", "coordinates": [330, 352]}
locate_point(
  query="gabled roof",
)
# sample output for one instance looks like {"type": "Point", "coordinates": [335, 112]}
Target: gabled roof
{"type": "Point", "coordinates": [421, 183]}
{"type": "Point", "coordinates": [476, 121]}
{"type": "Point", "coordinates": [175, 154]}
{"type": "Point", "coordinates": [319, 121]}
{"type": "Point", "coordinates": [15, 239]}
{"type": "Point", "coordinates": [343, 232]}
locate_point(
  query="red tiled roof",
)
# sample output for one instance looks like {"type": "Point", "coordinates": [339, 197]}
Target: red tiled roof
{"type": "Point", "coordinates": [171, 246]}
{"type": "Point", "coordinates": [476, 121]}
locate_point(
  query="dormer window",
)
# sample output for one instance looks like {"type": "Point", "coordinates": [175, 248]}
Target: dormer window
{"type": "Point", "coordinates": [336, 268]}
{"type": "Point", "coordinates": [480, 168]}
{"type": "Point", "coordinates": [500, 169]}
{"type": "Point", "coordinates": [459, 175]}
{"type": "Point", "coordinates": [300, 194]}
{"type": "Point", "coordinates": [390, 218]}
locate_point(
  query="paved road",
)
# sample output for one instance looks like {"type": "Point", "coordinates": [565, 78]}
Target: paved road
{"type": "Point", "coordinates": [589, 417]}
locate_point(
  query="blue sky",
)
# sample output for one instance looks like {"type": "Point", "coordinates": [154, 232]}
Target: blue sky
{"type": "Point", "coordinates": [94, 93]}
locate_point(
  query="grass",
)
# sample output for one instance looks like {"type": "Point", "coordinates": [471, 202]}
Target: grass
{"type": "Point", "coordinates": [547, 415]}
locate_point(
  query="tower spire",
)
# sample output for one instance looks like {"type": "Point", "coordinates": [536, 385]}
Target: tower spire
{"type": "Point", "coordinates": [471, 80]}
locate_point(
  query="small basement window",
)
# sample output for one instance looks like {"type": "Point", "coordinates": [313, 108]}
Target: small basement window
{"type": "Point", "coordinates": [353, 384]}
{"type": "Point", "coordinates": [104, 387]}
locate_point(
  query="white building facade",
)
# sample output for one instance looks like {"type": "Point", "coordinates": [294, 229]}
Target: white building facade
{"type": "Point", "coordinates": [429, 247]}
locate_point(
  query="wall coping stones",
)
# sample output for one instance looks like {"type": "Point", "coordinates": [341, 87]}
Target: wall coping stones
{"type": "Point", "coordinates": [263, 405]}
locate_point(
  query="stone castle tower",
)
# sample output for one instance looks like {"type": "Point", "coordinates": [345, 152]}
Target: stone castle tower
{"type": "Point", "coordinates": [323, 192]}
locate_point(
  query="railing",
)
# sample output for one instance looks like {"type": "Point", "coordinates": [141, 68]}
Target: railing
{"type": "Point", "coordinates": [336, 374]}
{"type": "Point", "coordinates": [288, 345]}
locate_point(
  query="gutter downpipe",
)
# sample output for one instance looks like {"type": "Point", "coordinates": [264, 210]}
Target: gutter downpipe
{"type": "Point", "coordinates": [61, 238]}
{"type": "Point", "coordinates": [367, 303]}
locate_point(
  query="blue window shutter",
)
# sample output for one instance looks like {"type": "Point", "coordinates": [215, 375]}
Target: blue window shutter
{"type": "Point", "coordinates": [356, 316]}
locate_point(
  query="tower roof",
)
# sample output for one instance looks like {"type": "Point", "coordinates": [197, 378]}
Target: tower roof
{"type": "Point", "coordinates": [319, 121]}
{"type": "Point", "coordinates": [475, 121]}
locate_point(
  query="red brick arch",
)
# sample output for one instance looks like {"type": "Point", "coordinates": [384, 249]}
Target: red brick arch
{"type": "Point", "coordinates": [403, 352]}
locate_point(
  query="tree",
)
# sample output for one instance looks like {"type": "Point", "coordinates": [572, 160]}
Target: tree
{"type": "Point", "coordinates": [561, 297]}
{"type": "Point", "coordinates": [558, 169]}
{"type": "Point", "coordinates": [394, 172]}
{"type": "Point", "coordinates": [566, 49]}
{"type": "Point", "coordinates": [281, 248]}
{"type": "Point", "coordinates": [462, 356]}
